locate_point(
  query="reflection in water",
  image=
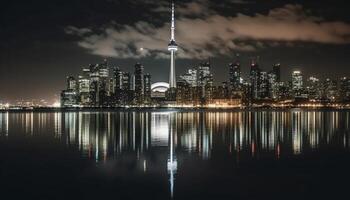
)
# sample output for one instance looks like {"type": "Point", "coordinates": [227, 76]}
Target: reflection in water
{"type": "Point", "coordinates": [4, 118]}
{"type": "Point", "coordinates": [104, 136]}
{"type": "Point", "coordinates": [172, 162]}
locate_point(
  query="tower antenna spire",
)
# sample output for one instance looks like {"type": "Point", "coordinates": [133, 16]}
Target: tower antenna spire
{"type": "Point", "coordinates": [172, 20]}
{"type": "Point", "coordinates": [172, 47]}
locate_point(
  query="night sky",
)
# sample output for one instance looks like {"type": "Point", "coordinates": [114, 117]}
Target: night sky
{"type": "Point", "coordinates": [44, 41]}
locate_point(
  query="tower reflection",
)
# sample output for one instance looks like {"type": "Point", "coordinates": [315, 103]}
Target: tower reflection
{"type": "Point", "coordinates": [172, 162]}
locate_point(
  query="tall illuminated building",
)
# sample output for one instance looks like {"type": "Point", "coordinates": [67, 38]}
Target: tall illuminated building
{"type": "Point", "coordinates": [344, 89]}
{"type": "Point", "coordinates": [297, 83]}
{"type": "Point", "coordinates": [254, 77]}
{"type": "Point", "coordinates": [272, 85]}
{"type": "Point", "coordinates": [205, 82]}
{"type": "Point", "coordinates": [190, 77]}
{"type": "Point", "coordinates": [104, 81]}
{"type": "Point", "coordinates": [330, 89]}
{"type": "Point", "coordinates": [71, 83]}
{"type": "Point", "coordinates": [84, 90]}
{"type": "Point", "coordinates": [69, 97]}
{"type": "Point", "coordinates": [313, 88]}
{"type": "Point", "coordinates": [147, 88]}
{"type": "Point", "coordinates": [97, 77]}
{"type": "Point", "coordinates": [122, 87]}
{"type": "Point", "coordinates": [264, 85]}
{"type": "Point", "coordinates": [139, 91]}
{"type": "Point", "coordinates": [235, 76]}
{"type": "Point", "coordinates": [172, 47]}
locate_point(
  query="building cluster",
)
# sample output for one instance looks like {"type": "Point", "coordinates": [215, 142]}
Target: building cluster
{"type": "Point", "coordinates": [268, 86]}
{"type": "Point", "coordinates": [260, 87]}
{"type": "Point", "coordinates": [100, 85]}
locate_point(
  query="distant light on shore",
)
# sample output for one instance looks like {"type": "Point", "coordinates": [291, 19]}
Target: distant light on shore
{"type": "Point", "coordinates": [56, 105]}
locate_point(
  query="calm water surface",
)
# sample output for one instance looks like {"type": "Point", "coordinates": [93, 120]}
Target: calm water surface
{"type": "Point", "coordinates": [291, 154]}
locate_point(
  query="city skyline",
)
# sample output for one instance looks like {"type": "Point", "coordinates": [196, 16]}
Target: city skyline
{"type": "Point", "coordinates": [174, 99]}
{"type": "Point", "coordinates": [234, 81]}
{"type": "Point", "coordinates": [101, 85]}
{"type": "Point", "coordinates": [42, 55]}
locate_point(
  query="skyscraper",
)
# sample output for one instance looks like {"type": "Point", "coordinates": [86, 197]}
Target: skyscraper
{"type": "Point", "coordinates": [330, 89]}
{"type": "Point", "coordinates": [184, 94]}
{"type": "Point", "coordinates": [264, 85]}
{"type": "Point", "coordinates": [71, 83]}
{"type": "Point", "coordinates": [276, 69]}
{"type": "Point", "coordinates": [172, 47]}
{"type": "Point", "coordinates": [254, 79]}
{"type": "Point", "coordinates": [297, 83]}
{"type": "Point", "coordinates": [190, 77]}
{"type": "Point", "coordinates": [235, 76]}
{"type": "Point", "coordinates": [69, 97]}
{"type": "Point", "coordinates": [205, 82]}
{"type": "Point", "coordinates": [344, 89]}
{"type": "Point", "coordinates": [313, 88]}
{"type": "Point", "coordinates": [139, 84]}
{"type": "Point", "coordinates": [122, 87]}
{"type": "Point", "coordinates": [147, 88]}
{"type": "Point", "coordinates": [104, 89]}
{"type": "Point", "coordinates": [273, 85]}
{"type": "Point", "coordinates": [84, 89]}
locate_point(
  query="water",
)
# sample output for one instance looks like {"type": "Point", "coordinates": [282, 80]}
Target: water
{"type": "Point", "coordinates": [292, 154]}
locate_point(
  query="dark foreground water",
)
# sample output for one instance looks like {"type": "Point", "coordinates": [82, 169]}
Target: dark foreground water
{"type": "Point", "coordinates": [181, 155]}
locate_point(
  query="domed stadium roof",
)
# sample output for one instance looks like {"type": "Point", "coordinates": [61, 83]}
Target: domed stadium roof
{"type": "Point", "coordinates": [160, 87]}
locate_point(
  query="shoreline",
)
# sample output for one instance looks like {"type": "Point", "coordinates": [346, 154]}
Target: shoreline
{"type": "Point", "coordinates": [178, 109]}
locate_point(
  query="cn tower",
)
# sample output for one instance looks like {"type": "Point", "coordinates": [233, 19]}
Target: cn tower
{"type": "Point", "coordinates": [172, 47]}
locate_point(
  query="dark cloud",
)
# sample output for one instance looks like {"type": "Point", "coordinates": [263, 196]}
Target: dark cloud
{"type": "Point", "coordinates": [213, 34]}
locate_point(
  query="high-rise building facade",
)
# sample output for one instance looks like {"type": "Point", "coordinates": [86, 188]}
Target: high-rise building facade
{"type": "Point", "coordinates": [254, 78]}
{"type": "Point", "coordinates": [190, 77]}
{"type": "Point", "coordinates": [313, 89]}
{"type": "Point", "coordinates": [71, 83]}
{"type": "Point", "coordinates": [122, 81]}
{"type": "Point", "coordinates": [184, 95]}
{"type": "Point", "coordinates": [344, 89]}
{"type": "Point", "coordinates": [139, 91]}
{"type": "Point", "coordinates": [70, 96]}
{"type": "Point", "coordinates": [97, 77]}
{"type": "Point", "coordinates": [235, 76]}
{"type": "Point", "coordinates": [330, 90]}
{"type": "Point", "coordinates": [205, 83]}
{"type": "Point", "coordinates": [84, 90]}
{"type": "Point", "coordinates": [297, 83]}
{"type": "Point", "coordinates": [147, 89]}
{"type": "Point", "coordinates": [272, 85]}
{"type": "Point", "coordinates": [264, 85]}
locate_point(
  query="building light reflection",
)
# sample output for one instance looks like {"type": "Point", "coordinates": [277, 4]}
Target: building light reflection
{"type": "Point", "coordinates": [107, 135]}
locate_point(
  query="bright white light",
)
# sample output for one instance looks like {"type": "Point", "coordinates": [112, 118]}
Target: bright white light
{"type": "Point", "coordinates": [56, 105]}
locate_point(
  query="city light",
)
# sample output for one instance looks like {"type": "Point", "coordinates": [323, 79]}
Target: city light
{"type": "Point", "coordinates": [98, 87]}
{"type": "Point", "coordinates": [56, 105]}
